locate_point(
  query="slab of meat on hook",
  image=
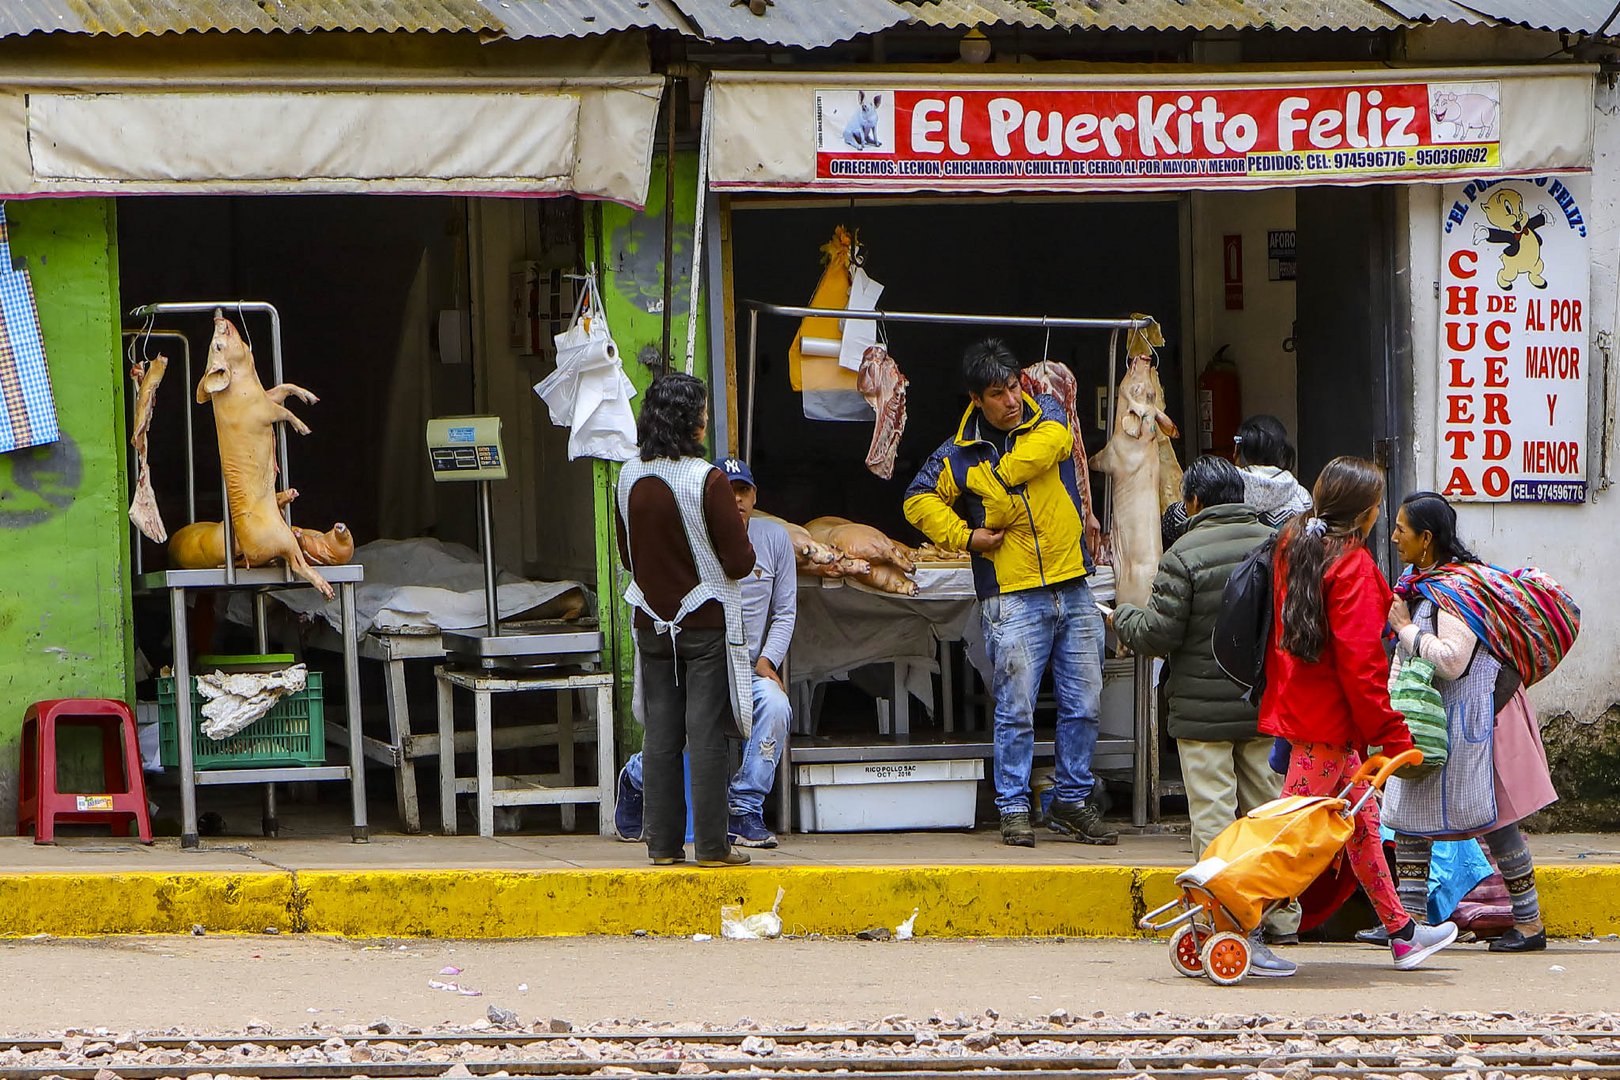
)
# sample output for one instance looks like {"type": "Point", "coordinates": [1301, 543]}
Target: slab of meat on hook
{"type": "Point", "coordinates": [883, 385]}
{"type": "Point", "coordinates": [143, 509]}
{"type": "Point", "coordinates": [1054, 379]}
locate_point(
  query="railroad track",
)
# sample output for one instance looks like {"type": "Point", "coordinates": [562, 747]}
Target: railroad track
{"type": "Point", "coordinates": [879, 1055]}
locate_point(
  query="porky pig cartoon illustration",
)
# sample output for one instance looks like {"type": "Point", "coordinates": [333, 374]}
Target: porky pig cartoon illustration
{"type": "Point", "coordinates": [1516, 232]}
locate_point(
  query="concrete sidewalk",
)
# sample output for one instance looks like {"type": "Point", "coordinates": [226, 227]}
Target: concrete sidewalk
{"type": "Point", "coordinates": [522, 886]}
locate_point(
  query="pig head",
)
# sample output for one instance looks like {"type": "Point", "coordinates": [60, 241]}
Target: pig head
{"type": "Point", "coordinates": [335, 547]}
{"type": "Point", "coordinates": [245, 415]}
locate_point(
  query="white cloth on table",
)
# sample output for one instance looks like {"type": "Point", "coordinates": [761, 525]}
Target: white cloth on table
{"type": "Point", "coordinates": [845, 628]}
{"type": "Point", "coordinates": [416, 586]}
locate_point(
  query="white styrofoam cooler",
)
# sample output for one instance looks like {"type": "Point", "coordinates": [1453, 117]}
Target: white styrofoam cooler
{"type": "Point", "coordinates": [888, 796]}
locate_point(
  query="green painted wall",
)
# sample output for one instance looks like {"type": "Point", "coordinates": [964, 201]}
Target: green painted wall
{"type": "Point", "coordinates": [632, 256]}
{"type": "Point", "coordinates": [64, 590]}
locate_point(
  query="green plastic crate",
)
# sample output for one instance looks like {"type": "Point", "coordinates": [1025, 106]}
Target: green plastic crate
{"type": "Point", "coordinates": [292, 733]}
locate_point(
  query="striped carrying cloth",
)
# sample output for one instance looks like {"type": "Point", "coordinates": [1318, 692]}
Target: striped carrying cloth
{"type": "Point", "coordinates": [27, 407]}
{"type": "Point", "coordinates": [1523, 617]}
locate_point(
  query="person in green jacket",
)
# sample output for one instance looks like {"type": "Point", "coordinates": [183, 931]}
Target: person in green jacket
{"type": "Point", "coordinates": [1224, 758]}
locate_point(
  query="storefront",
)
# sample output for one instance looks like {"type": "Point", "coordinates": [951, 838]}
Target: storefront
{"type": "Point", "coordinates": [383, 214]}
{"type": "Point", "coordinates": [1275, 218]}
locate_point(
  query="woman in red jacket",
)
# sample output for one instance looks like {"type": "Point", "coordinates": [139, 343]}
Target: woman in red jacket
{"type": "Point", "coordinates": [1327, 677]}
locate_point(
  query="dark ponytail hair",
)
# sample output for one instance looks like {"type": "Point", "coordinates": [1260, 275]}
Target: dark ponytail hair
{"type": "Point", "coordinates": [1314, 540]}
{"type": "Point", "coordinates": [1429, 512]}
{"type": "Point", "coordinates": [1262, 440]}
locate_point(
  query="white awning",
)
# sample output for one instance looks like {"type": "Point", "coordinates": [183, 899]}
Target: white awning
{"type": "Point", "coordinates": [586, 136]}
{"type": "Point", "coordinates": [1158, 129]}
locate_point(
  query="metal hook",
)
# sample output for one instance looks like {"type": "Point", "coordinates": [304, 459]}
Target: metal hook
{"type": "Point", "coordinates": [241, 317]}
{"type": "Point", "coordinates": [1046, 350]}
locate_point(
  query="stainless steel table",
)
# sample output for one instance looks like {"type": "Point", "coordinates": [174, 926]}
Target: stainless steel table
{"type": "Point", "coordinates": [177, 583]}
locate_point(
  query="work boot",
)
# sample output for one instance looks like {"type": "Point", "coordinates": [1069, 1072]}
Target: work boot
{"type": "Point", "coordinates": [1265, 964]}
{"type": "Point", "coordinates": [1016, 830]}
{"type": "Point", "coordinates": [1417, 943]}
{"type": "Point", "coordinates": [748, 830]}
{"type": "Point", "coordinates": [732, 857]}
{"type": "Point", "coordinates": [627, 810]}
{"type": "Point", "coordinates": [1083, 821]}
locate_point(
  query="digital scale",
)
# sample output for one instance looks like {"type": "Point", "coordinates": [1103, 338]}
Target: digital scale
{"type": "Point", "coordinates": [468, 449]}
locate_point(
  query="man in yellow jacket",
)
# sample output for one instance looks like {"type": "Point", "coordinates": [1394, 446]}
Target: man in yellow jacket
{"type": "Point", "coordinates": [1004, 489]}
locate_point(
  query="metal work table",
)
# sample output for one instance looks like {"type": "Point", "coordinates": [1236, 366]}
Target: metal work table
{"type": "Point", "coordinates": [262, 579]}
{"type": "Point", "coordinates": [492, 790]}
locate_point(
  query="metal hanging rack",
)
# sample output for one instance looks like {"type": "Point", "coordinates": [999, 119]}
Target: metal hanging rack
{"type": "Point", "coordinates": [241, 307]}
{"type": "Point", "coordinates": [176, 583]}
{"type": "Point", "coordinates": [1145, 762]}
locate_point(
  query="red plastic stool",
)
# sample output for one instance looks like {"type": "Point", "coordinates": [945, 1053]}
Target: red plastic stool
{"type": "Point", "coordinates": [123, 800]}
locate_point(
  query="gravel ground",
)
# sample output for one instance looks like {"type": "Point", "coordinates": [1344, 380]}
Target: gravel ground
{"type": "Point", "coordinates": [1266, 1048]}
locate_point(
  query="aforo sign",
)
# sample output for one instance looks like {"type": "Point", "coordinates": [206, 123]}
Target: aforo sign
{"type": "Point", "coordinates": [1155, 138]}
{"type": "Point", "coordinates": [1514, 337]}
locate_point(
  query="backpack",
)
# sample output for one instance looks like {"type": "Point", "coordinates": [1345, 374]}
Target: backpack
{"type": "Point", "coordinates": [1243, 625]}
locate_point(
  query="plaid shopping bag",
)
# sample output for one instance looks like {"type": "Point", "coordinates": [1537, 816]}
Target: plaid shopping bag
{"type": "Point", "coordinates": [27, 408]}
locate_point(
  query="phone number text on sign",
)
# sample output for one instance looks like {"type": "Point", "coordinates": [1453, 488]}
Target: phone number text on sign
{"type": "Point", "coordinates": [904, 136]}
{"type": "Point", "coordinates": [1514, 338]}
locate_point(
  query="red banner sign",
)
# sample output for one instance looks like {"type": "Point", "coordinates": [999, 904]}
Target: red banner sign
{"type": "Point", "coordinates": [1151, 138]}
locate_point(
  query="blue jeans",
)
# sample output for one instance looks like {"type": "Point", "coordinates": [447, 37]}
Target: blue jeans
{"type": "Point", "coordinates": [1024, 632]}
{"type": "Point", "coordinates": [773, 715]}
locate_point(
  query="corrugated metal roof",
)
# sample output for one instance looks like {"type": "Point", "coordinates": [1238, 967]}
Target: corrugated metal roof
{"type": "Point", "coordinates": [805, 24]}
{"type": "Point", "coordinates": [1438, 11]}
{"type": "Point", "coordinates": [1161, 14]}
{"type": "Point", "coordinates": [583, 18]}
{"type": "Point", "coordinates": [512, 18]}
{"type": "Point", "coordinates": [1574, 16]}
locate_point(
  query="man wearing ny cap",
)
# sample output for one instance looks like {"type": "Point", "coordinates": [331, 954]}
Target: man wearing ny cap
{"type": "Point", "coordinates": [770, 606]}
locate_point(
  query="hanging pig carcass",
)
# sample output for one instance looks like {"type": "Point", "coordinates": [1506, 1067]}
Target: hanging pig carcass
{"type": "Point", "coordinates": [245, 416]}
{"type": "Point", "coordinates": [1131, 461]}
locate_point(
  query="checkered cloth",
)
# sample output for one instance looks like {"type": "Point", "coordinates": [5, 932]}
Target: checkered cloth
{"type": "Point", "coordinates": [686, 478]}
{"type": "Point", "coordinates": [27, 407]}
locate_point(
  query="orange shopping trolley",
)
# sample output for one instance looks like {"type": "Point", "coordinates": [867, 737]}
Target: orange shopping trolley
{"type": "Point", "coordinates": [1257, 864]}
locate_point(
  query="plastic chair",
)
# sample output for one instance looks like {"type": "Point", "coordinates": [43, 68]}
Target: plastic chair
{"type": "Point", "coordinates": [123, 798]}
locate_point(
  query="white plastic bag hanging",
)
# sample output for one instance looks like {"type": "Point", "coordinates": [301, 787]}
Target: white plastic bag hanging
{"type": "Point", "coordinates": [589, 392]}
{"type": "Point", "coordinates": [859, 334]}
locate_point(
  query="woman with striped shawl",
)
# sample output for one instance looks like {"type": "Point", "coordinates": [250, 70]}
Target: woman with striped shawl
{"type": "Point", "coordinates": [1485, 633]}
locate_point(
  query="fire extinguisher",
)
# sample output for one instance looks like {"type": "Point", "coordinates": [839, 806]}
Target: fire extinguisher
{"type": "Point", "coordinates": [1220, 405]}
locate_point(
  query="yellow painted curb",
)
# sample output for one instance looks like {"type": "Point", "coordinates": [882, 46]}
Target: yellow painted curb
{"type": "Point", "coordinates": [952, 901]}
{"type": "Point", "coordinates": [957, 901]}
{"type": "Point", "coordinates": [87, 905]}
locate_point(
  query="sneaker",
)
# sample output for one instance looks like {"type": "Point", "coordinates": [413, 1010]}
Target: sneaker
{"type": "Point", "coordinates": [1281, 939]}
{"type": "Point", "coordinates": [748, 830]}
{"type": "Point", "coordinates": [1265, 964]}
{"type": "Point", "coordinates": [732, 857]}
{"type": "Point", "coordinates": [627, 811]}
{"type": "Point", "coordinates": [1016, 830]}
{"type": "Point", "coordinates": [1376, 935]}
{"type": "Point", "coordinates": [1424, 943]}
{"type": "Point", "coordinates": [1084, 822]}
